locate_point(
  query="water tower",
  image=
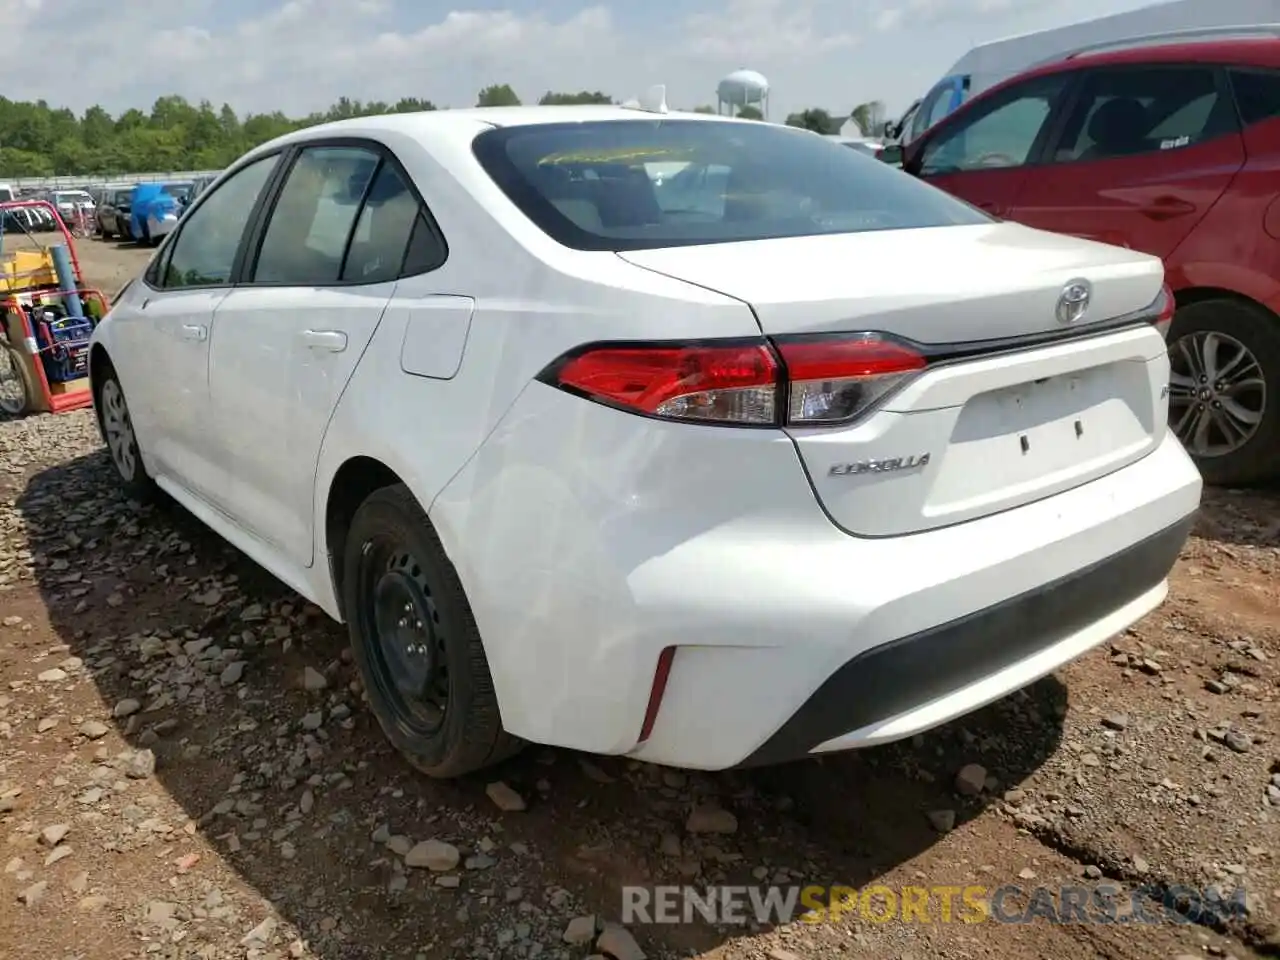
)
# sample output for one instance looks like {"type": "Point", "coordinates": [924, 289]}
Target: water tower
{"type": "Point", "coordinates": [743, 88]}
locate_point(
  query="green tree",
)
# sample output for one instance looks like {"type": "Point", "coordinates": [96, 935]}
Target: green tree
{"type": "Point", "coordinates": [703, 108]}
{"type": "Point", "coordinates": [869, 117]}
{"type": "Point", "coordinates": [498, 95]}
{"type": "Point", "coordinates": [815, 119]}
{"type": "Point", "coordinates": [750, 113]}
{"type": "Point", "coordinates": [550, 99]}
{"type": "Point", "coordinates": [38, 140]}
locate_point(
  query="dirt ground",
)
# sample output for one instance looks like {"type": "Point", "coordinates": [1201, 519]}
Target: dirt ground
{"type": "Point", "coordinates": [187, 771]}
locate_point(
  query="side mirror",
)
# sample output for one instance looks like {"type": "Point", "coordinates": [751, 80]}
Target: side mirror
{"type": "Point", "coordinates": [891, 153]}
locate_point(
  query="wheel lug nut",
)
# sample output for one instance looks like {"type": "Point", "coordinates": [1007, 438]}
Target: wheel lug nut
{"type": "Point", "coordinates": [403, 622]}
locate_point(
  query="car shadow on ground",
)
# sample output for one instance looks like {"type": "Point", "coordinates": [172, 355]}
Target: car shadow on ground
{"type": "Point", "coordinates": [291, 784]}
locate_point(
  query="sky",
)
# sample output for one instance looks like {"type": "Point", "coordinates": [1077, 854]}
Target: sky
{"type": "Point", "coordinates": [300, 55]}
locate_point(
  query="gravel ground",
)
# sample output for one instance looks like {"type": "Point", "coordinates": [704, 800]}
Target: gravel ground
{"type": "Point", "coordinates": [187, 771]}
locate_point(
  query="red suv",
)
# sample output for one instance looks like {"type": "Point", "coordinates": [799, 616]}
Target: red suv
{"type": "Point", "coordinates": [1173, 150]}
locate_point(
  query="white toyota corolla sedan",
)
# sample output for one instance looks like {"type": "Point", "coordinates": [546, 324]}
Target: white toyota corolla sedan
{"type": "Point", "coordinates": [701, 441]}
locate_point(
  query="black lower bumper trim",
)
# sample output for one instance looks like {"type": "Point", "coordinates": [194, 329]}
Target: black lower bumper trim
{"type": "Point", "coordinates": [901, 674]}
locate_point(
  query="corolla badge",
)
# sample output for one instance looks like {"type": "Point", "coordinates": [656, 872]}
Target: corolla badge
{"type": "Point", "coordinates": [1073, 302]}
{"type": "Point", "coordinates": [888, 465]}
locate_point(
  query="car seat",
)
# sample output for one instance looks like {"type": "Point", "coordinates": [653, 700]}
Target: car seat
{"type": "Point", "coordinates": [626, 198]}
{"type": "Point", "coordinates": [1117, 128]}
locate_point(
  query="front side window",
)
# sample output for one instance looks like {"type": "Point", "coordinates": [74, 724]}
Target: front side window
{"type": "Point", "coordinates": [318, 204]}
{"type": "Point", "coordinates": [641, 184]}
{"type": "Point", "coordinates": [1135, 111]}
{"type": "Point", "coordinates": [204, 252]}
{"type": "Point", "coordinates": [999, 134]}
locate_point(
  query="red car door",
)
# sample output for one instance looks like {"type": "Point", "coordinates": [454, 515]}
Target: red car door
{"type": "Point", "coordinates": [1143, 153]}
{"type": "Point", "coordinates": [984, 153]}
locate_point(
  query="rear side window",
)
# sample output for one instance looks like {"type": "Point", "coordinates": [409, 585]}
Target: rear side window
{"type": "Point", "coordinates": [1133, 111]}
{"type": "Point", "coordinates": [344, 215]}
{"type": "Point", "coordinates": [307, 235]}
{"type": "Point", "coordinates": [1257, 94]}
{"type": "Point", "coordinates": [382, 231]}
{"type": "Point", "coordinates": [640, 184]}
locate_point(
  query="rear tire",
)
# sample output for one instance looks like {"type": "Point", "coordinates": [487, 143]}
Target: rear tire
{"type": "Point", "coordinates": [1224, 398]}
{"type": "Point", "coordinates": [416, 642]}
{"type": "Point", "coordinates": [116, 426]}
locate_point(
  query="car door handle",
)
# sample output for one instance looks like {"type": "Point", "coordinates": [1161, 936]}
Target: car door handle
{"type": "Point", "coordinates": [334, 341]}
{"type": "Point", "coordinates": [1166, 208]}
{"type": "Point", "coordinates": [992, 208]}
{"type": "Point", "coordinates": [195, 331]}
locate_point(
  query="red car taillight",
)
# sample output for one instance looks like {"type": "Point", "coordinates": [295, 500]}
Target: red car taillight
{"type": "Point", "coordinates": [834, 380]}
{"type": "Point", "coordinates": [800, 381]}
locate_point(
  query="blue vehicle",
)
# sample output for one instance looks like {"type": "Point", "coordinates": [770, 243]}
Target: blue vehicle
{"type": "Point", "coordinates": [156, 209]}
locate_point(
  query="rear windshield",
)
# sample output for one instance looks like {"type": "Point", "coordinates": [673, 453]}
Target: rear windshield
{"type": "Point", "coordinates": [639, 184]}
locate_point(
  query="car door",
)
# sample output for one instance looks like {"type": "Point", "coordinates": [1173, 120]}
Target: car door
{"type": "Point", "coordinates": [985, 153]}
{"type": "Point", "coordinates": [1143, 153]}
{"type": "Point", "coordinates": [165, 345]}
{"type": "Point", "coordinates": [288, 338]}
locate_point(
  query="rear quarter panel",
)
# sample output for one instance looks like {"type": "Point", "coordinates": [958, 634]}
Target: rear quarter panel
{"type": "Point", "coordinates": [533, 301]}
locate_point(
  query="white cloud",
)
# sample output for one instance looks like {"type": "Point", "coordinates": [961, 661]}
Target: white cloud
{"type": "Point", "coordinates": [301, 55]}
{"type": "Point", "coordinates": [753, 30]}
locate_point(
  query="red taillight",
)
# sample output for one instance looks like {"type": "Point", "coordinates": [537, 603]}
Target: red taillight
{"type": "Point", "coordinates": [734, 383]}
{"type": "Point", "coordinates": [834, 380]}
{"type": "Point", "coordinates": [800, 381]}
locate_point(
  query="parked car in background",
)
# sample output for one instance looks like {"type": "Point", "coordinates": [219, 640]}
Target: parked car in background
{"type": "Point", "coordinates": [113, 213]}
{"type": "Point", "coordinates": [1170, 150]}
{"type": "Point", "coordinates": [156, 208]}
{"type": "Point", "coordinates": [785, 455]}
{"type": "Point", "coordinates": [199, 185]}
{"type": "Point", "coordinates": [72, 204]}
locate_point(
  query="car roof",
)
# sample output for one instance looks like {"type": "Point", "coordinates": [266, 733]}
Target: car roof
{"type": "Point", "coordinates": [1252, 52]}
{"type": "Point", "coordinates": [466, 123]}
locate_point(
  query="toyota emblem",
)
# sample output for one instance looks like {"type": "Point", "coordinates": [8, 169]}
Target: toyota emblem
{"type": "Point", "coordinates": [1073, 302]}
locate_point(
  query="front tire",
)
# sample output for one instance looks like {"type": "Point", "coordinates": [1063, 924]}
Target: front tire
{"type": "Point", "coordinates": [416, 642]}
{"type": "Point", "coordinates": [116, 427]}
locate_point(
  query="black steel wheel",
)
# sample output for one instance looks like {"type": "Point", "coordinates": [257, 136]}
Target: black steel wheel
{"type": "Point", "coordinates": [116, 426]}
{"type": "Point", "coordinates": [416, 642]}
{"type": "Point", "coordinates": [408, 654]}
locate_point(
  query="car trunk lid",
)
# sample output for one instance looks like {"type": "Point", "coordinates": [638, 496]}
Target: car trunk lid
{"type": "Point", "coordinates": [1015, 405]}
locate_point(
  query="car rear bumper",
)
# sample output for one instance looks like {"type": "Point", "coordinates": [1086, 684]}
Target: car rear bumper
{"type": "Point", "coordinates": [590, 543]}
{"type": "Point", "coordinates": [883, 694]}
